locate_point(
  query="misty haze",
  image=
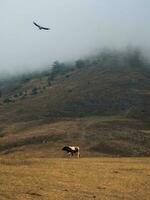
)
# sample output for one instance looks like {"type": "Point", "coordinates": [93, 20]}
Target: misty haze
{"type": "Point", "coordinates": [74, 99]}
{"type": "Point", "coordinates": [78, 28]}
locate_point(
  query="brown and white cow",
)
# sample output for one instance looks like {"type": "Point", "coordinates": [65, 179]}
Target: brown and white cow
{"type": "Point", "coordinates": [71, 150]}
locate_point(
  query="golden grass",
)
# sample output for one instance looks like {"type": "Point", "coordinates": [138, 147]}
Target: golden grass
{"type": "Point", "coordinates": [72, 179]}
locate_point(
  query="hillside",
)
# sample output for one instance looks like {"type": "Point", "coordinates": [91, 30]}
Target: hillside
{"type": "Point", "coordinates": [97, 87]}
{"type": "Point", "coordinates": [102, 102]}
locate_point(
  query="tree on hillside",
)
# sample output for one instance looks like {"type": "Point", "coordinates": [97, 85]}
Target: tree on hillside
{"type": "Point", "coordinates": [57, 69]}
{"type": "Point", "coordinates": [7, 100]}
{"type": "Point", "coordinates": [134, 58]}
{"type": "Point", "coordinates": [34, 91]}
{"type": "Point", "coordinates": [80, 64]}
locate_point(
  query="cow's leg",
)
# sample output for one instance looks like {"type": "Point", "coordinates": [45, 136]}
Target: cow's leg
{"type": "Point", "coordinates": [69, 154]}
{"type": "Point", "coordinates": [78, 154]}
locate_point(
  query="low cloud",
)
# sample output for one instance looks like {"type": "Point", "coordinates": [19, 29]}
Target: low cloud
{"type": "Point", "coordinates": [78, 28]}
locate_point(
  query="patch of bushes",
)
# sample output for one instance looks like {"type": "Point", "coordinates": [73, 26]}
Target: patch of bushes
{"type": "Point", "coordinates": [2, 134]}
{"type": "Point", "coordinates": [34, 91]}
{"type": "Point", "coordinates": [31, 141]}
{"type": "Point", "coordinates": [120, 148]}
{"type": "Point", "coordinates": [7, 100]}
{"type": "Point", "coordinates": [138, 112]}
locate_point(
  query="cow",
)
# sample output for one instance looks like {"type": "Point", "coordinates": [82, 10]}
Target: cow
{"type": "Point", "coordinates": [71, 150]}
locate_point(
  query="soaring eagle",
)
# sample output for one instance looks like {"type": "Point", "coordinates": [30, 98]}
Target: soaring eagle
{"type": "Point", "coordinates": [40, 27]}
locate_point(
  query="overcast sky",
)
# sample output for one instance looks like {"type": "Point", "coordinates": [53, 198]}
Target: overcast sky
{"type": "Point", "coordinates": [78, 27]}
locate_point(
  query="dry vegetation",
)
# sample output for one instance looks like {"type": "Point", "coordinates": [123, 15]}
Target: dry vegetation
{"type": "Point", "coordinates": [110, 83]}
{"type": "Point", "coordinates": [113, 136]}
{"type": "Point", "coordinates": [29, 171]}
{"type": "Point", "coordinates": [97, 136]}
{"type": "Point", "coordinates": [101, 104]}
{"type": "Point", "coordinates": [85, 178]}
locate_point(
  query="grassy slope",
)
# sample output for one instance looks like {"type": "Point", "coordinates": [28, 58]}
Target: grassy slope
{"type": "Point", "coordinates": [114, 103]}
{"type": "Point", "coordinates": [114, 136]}
{"type": "Point", "coordinates": [93, 90]}
{"type": "Point", "coordinates": [86, 178]}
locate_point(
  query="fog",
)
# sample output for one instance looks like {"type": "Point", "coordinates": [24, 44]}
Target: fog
{"type": "Point", "coordinates": [78, 28]}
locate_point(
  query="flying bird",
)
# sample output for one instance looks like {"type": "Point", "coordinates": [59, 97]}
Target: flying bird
{"type": "Point", "coordinates": [40, 27]}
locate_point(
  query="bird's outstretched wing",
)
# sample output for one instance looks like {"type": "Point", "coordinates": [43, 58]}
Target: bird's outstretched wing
{"type": "Point", "coordinates": [36, 24]}
{"type": "Point", "coordinates": [40, 27]}
{"type": "Point", "coordinates": [45, 28]}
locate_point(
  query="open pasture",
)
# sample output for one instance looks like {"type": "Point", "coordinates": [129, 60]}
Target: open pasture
{"type": "Point", "coordinates": [71, 179]}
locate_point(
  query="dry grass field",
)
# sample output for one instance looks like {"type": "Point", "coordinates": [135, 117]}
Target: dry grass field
{"type": "Point", "coordinates": [72, 179]}
{"type": "Point", "coordinates": [33, 167]}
